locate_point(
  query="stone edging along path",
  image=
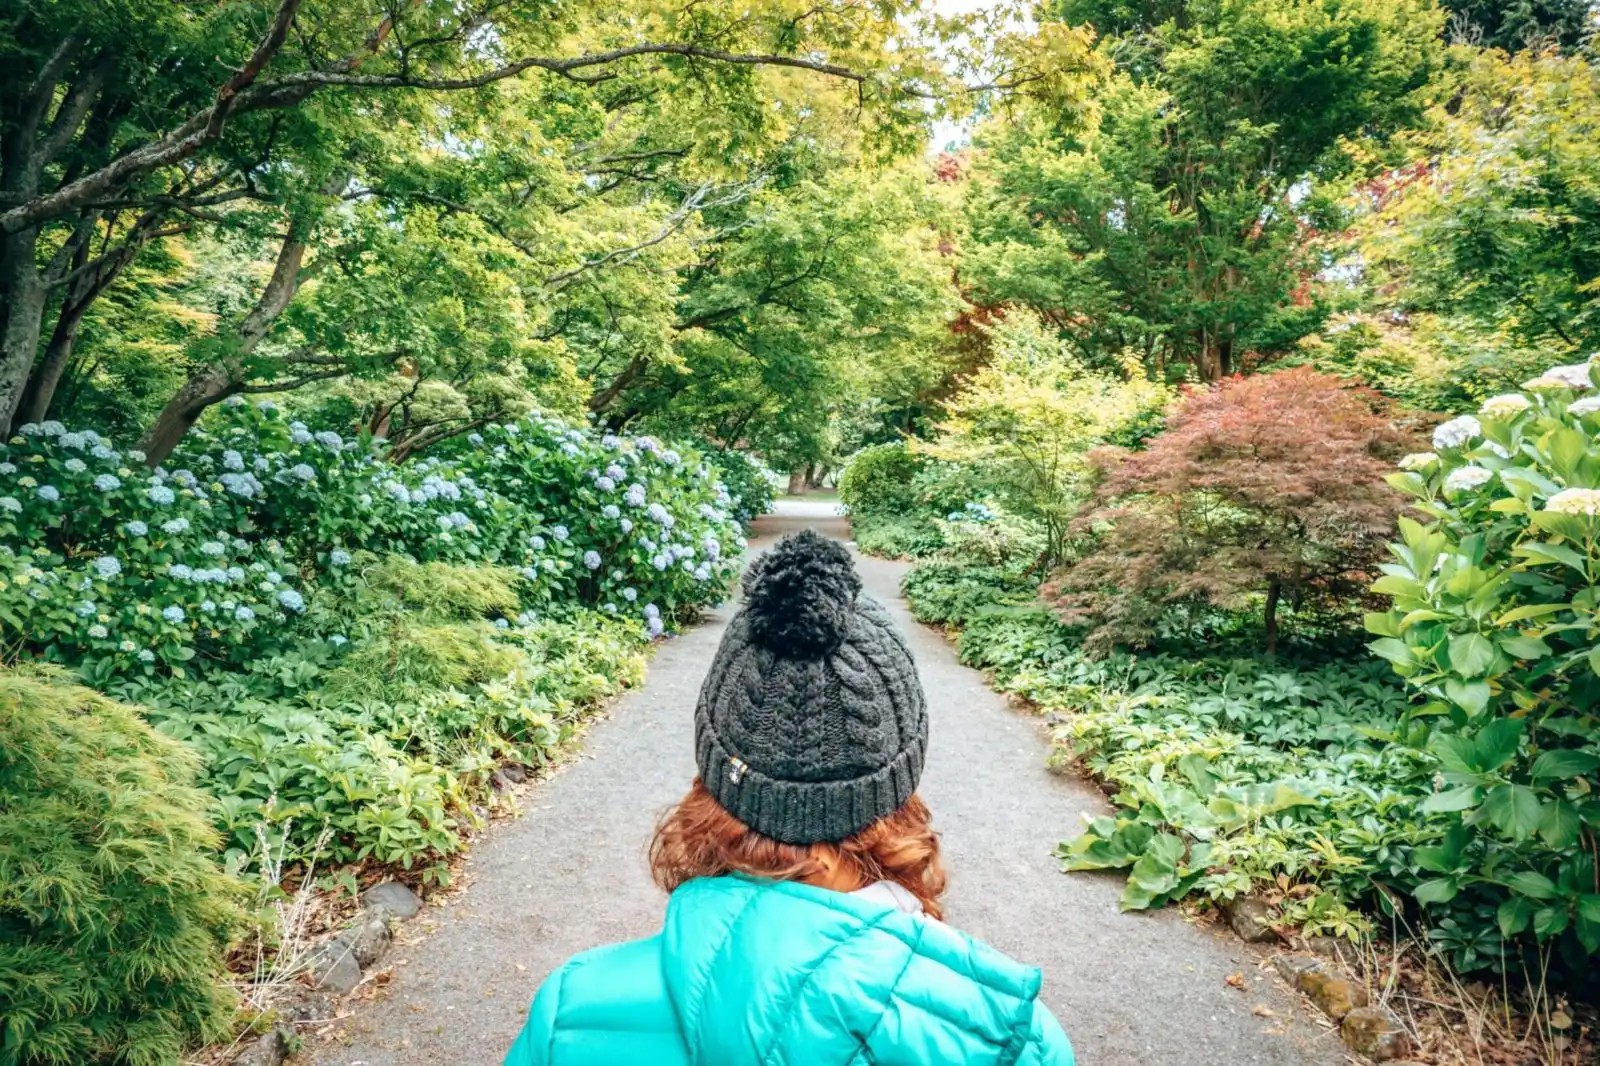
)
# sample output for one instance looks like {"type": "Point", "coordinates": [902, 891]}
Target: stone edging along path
{"type": "Point", "coordinates": [570, 873]}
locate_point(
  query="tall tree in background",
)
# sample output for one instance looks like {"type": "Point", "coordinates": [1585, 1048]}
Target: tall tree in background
{"type": "Point", "coordinates": [1175, 221]}
{"type": "Point", "coordinates": [124, 125]}
{"type": "Point", "coordinates": [1517, 24]}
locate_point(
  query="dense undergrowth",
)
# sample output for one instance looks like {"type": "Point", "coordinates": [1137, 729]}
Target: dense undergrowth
{"type": "Point", "coordinates": [318, 656]}
{"type": "Point", "coordinates": [1439, 778]}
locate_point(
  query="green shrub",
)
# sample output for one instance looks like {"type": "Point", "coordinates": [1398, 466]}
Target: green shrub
{"type": "Point", "coordinates": [1496, 623]}
{"type": "Point", "coordinates": [751, 484]}
{"type": "Point", "coordinates": [947, 592]}
{"type": "Point", "coordinates": [896, 536]}
{"type": "Point", "coordinates": [880, 479]}
{"type": "Point", "coordinates": [113, 915]}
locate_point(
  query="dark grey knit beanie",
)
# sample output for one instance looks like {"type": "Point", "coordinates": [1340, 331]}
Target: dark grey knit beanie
{"type": "Point", "coordinates": [811, 724]}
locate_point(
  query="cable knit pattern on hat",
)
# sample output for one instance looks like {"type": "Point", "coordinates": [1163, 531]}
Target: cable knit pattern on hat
{"type": "Point", "coordinates": [811, 723]}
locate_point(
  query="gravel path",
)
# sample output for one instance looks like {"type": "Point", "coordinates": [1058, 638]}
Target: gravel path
{"type": "Point", "coordinates": [570, 873]}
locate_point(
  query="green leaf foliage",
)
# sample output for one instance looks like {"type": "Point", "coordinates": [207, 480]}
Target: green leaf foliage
{"type": "Point", "coordinates": [114, 914]}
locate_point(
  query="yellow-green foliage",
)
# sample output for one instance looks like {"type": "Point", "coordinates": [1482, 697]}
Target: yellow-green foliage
{"type": "Point", "coordinates": [113, 913]}
{"type": "Point", "coordinates": [1030, 416]}
{"type": "Point", "coordinates": [411, 657]}
{"type": "Point", "coordinates": [446, 589]}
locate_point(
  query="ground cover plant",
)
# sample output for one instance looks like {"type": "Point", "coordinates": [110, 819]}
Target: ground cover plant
{"type": "Point", "coordinates": [342, 697]}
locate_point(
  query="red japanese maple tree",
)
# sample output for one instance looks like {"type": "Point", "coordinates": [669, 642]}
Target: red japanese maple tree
{"type": "Point", "coordinates": [1271, 483]}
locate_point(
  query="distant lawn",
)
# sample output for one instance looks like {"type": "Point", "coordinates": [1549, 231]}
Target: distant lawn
{"type": "Point", "coordinates": [815, 495]}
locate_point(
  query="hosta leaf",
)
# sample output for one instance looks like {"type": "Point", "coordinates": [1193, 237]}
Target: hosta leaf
{"type": "Point", "coordinates": [1512, 809]}
{"type": "Point", "coordinates": [1436, 890]}
{"type": "Point", "coordinates": [1532, 884]}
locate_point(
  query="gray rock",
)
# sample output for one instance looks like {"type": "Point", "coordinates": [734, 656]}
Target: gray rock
{"type": "Point", "coordinates": [1376, 1033]}
{"type": "Point", "coordinates": [334, 968]}
{"type": "Point", "coordinates": [304, 1004]}
{"type": "Point", "coordinates": [1251, 919]}
{"type": "Point", "coordinates": [370, 938]}
{"type": "Point", "coordinates": [393, 897]}
{"type": "Point", "coordinates": [1334, 995]}
{"type": "Point", "coordinates": [499, 781]}
{"type": "Point", "coordinates": [1292, 967]}
{"type": "Point", "coordinates": [515, 773]}
{"type": "Point", "coordinates": [268, 1050]}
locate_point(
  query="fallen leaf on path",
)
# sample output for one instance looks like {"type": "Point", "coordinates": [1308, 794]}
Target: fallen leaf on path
{"type": "Point", "coordinates": [1235, 980]}
{"type": "Point", "coordinates": [521, 968]}
{"type": "Point", "coordinates": [1261, 1010]}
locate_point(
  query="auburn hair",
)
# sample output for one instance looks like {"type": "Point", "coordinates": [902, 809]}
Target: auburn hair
{"type": "Point", "coordinates": [699, 838]}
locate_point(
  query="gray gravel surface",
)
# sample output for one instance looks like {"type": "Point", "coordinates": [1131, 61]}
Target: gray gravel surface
{"type": "Point", "coordinates": [570, 873]}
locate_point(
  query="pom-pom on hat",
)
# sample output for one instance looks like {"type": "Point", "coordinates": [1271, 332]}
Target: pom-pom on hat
{"type": "Point", "coordinates": [811, 724]}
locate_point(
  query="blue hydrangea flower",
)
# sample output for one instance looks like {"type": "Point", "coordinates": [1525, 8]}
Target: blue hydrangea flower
{"type": "Point", "coordinates": [591, 559]}
{"type": "Point", "coordinates": [635, 496]}
{"type": "Point", "coordinates": [262, 463]}
{"type": "Point", "coordinates": [180, 572]}
{"type": "Point", "coordinates": [292, 600]}
{"type": "Point", "coordinates": [76, 465]}
{"type": "Point", "coordinates": [611, 511]}
{"type": "Point", "coordinates": [212, 547]}
{"type": "Point", "coordinates": [713, 548]}
{"type": "Point", "coordinates": [48, 493]}
{"type": "Point", "coordinates": [605, 484]}
{"type": "Point", "coordinates": [474, 439]}
{"type": "Point", "coordinates": [235, 573]}
{"type": "Point", "coordinates": [107, 566]}
{"type": "Point", "coordinates": [443, 521]}
{"type": "Point", "coordinates": [10, 503]}
{"type": "Point", "coordinates": [339, 557]}
{"type": "Point", "coordinates": [74, 440]}
{"type": "Point", "coordinates": [630, 594]}
{"type": "Point", "coordinates": [655, 627]}
{"type": "Point", "coordinates": [266, 406]}
{"type": "Point", "coordinates": [570, 449]}
{"type": "Point", "coordinates": [303, 472]}
{"type": "Point", "coordinates": [274, 577]}
{"type": "Point", "coordinates": [208, 606]}
{"type": "Point", "coordinates": [659, 513]}
{"type": "Point", "coordinates": [559, 532]}
{"type": "Point", "coordinates": [107, 483]}
{"type": "Point", "coordinates": [531, 573]}
{"type": "Point", "coordinates": [511, 428]}
{"type": "Point", "coordinates": [652, 611]}
{"type": "Point", "coordinates": [232, 460]}
{"type": "Point", "coordinates": [329, 440]}
{"type": "Point", "coordinates": [615, 472]}
{"type": "Point", "coordinates": [173, 614]}
{"type": "Point", "coordinates": [661, 562]}
{"type": "Point", "coordinates": [185, 478]}
{"type": "Point", "coordinates": [611, 440]}
{"type": "Point", "coordinates": [671, 458]}
{"type": "Point", "coordinates": [233, 401]}
{"type": "Point", "coordinates": [338, 640]}
{"type": "Point", "coordinates": [647, 544]}
{"type": "Point", "coordinates": [98, 632]}
{"type": "Point", "coordinates": [501, 623]}
{"type": "Point", "coordinates": [244, 614]}
{"type": "Point", "coordinates": [147, 656]}
{"type": "Point", "coordinates": [702, 573]}
{"type": "Point", "coordinates": [175, 526]}
{"type": "Point", "coordinates": [688, 566]}
{"type": "Point", "coordinates": [160, 494]}
{"type": "Point", "coordinates": [8, 468]}
{"type": "Point", "coordinates": [300, 436]}
{"type": "Point", "coordinates": [627, 525]}
{"type": "Point", "coordinates": [86, 609]}
{"type": "Point", "coordinates": [537, 542]}
{"type": "Point", "coordinates": [459, 520]}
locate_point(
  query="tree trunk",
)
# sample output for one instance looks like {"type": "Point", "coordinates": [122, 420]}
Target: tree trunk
{"type": "Point", "coordinates": [1274, 593]}
{"type": "Point", "coordinates": [25, 299]}
{"type": "Point", "coordinates": [203, 389]}
{"type": "Point", "coordinates": [219, 380]}
{"type": "Point", "coordinates": [797, 482]}
{"type": "Point", "coordinates": [57, 354]}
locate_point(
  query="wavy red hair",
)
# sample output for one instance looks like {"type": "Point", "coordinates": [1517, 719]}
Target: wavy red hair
{"type": "Point", "coordinates": [699, 838]}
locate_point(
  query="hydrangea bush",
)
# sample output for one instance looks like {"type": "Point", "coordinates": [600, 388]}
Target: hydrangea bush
{"type": "Point", "coordinates": [220, 550]}
{"type": "Point", "coordinates": [1496, 620]}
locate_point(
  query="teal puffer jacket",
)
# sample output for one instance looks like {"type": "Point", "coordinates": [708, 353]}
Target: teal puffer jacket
{"type": "Point", "coordinates": [760, 973]}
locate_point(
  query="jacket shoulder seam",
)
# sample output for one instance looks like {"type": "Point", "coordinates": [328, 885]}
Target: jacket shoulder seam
{"type": "Point", "coordinates": [827, 956]}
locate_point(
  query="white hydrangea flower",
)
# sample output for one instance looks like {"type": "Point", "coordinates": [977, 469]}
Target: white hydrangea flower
{"type": "Point", "coordinates": [1586, 406]}
{"type": "Point", "coordinates": [1457, 432]}
{"type": "Point", "coordinates": [1505, 406]}
{"type": "Point", "coordinates": [1418, 460]}
{"type": "Point", "coordinates": [1467, 477]}
{"type": "Point", "coordinates": [1575, 501]}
